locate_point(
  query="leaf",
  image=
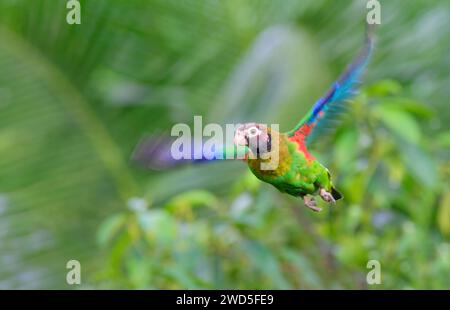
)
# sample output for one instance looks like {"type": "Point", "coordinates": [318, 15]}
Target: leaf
{"type": "Point", "coordinates": [160, 226]}
{"type": "Point", "coordinates": [193, 199]}
{"type": "Point", "coordinates": [410, 106]}
{"type": "Point", "coordinates": [109, 228]}
{"type": "Point", "coordinates": [384, 88]}
{"type": "Point", "coordinates": [399, 122]}
{"type": "Point", "coordinates": [419, 164]}
{"type": "Point", "coordinates": [346, 149]}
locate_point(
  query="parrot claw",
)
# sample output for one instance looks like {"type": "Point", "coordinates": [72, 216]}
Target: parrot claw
{"type": "Point", "coordinates": [328, 197]}
{"type": "Point", "coordinates": [311, 203]}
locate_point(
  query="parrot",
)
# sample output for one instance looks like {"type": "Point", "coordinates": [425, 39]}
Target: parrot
{"type": "Point", "coordinates": [298, 173]}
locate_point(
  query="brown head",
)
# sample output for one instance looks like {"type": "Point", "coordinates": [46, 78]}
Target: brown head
{"type": "Point", "coordinates": [257, 137]}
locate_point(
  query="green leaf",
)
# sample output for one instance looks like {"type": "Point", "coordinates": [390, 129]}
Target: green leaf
{"type": "Point", "coordinates": [193, 199]}
{"type": "Point", "coordinates": [384, 88]}
{"type": "Point", "coordinates": [346, 149]}
{"type": "Point", "coordinates": [419, 164]}
{"type": "Point", "coordinates": [159, 225]}
{"type": "Point", "coordinates": [411, 106]}
{"type": "Point", "coordinates": [109, 228]}
{"type": "Point", "coordinates": [399, 122]}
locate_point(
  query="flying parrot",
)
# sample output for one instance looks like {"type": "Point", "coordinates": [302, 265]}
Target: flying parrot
{"type": "Point", "coordinates": [297, 172]}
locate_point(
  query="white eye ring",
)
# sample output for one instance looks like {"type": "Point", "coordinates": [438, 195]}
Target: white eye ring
{"type": "Point", "coordinates": [253, 132]}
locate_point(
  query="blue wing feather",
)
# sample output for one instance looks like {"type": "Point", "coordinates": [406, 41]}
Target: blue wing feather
{"type": "Point", "coordinates": [155, 153]}
{"type": "Point", "coordinates": [335, 101]}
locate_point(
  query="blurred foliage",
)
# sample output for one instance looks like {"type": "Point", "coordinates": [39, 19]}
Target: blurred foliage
{"type": "Point", "coordinates": [74, 101]}
{"type": "Point", "coordinates": [395, 211]}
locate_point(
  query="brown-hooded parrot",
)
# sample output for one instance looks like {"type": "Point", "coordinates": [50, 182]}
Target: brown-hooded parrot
{"type": "Point", "coordinates": [298, 173]}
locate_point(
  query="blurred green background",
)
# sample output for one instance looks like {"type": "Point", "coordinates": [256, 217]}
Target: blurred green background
{"type": "Point", "coordinates": [75, 100]}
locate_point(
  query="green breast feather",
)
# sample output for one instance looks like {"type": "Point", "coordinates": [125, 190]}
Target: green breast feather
{"type": "Point", "coordinates": [295, 174]}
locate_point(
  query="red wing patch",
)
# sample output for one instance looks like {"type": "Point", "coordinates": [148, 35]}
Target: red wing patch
{"type": "Point", "coordinates": [300, 138]}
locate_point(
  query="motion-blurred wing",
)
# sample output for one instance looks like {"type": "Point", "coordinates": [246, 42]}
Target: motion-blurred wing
{"type": "Point", "coordinates": [326, 111]}
{"type": "Point", "coordinates": [155, 153]}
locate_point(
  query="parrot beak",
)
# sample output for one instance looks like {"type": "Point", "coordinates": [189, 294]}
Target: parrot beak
{"type": "Point", "coordinates": [239, 138]}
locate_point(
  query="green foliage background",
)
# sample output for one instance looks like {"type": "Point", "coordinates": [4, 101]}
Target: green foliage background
{"type": "Point", "coordinates": [75, 100]}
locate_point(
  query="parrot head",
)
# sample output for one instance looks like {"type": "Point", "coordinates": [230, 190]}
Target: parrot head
{"type": "Point", "coordinates": [257, 137]}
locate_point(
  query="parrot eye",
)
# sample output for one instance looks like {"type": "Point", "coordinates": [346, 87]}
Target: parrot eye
{"type": "Point", "coordinates": [253, 131]}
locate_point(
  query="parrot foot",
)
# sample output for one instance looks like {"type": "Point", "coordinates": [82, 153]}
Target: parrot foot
{"type": "Point", "coordinates": [328, 197]}
{"type": "Point", "coordinates": [311, 203]}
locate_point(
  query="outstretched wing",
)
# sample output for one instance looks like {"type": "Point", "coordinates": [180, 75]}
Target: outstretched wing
{"type": "Point", "coordinates": [326, 110]}
{"type": "Point", "coordinates": [155, 153]}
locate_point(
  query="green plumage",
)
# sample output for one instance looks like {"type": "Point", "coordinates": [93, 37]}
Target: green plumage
{"type": "Point", "coordinates": [296, 174]}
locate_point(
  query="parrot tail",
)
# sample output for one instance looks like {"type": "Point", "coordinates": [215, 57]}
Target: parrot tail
{"type": "Point", "coordinates": [336, 194]}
